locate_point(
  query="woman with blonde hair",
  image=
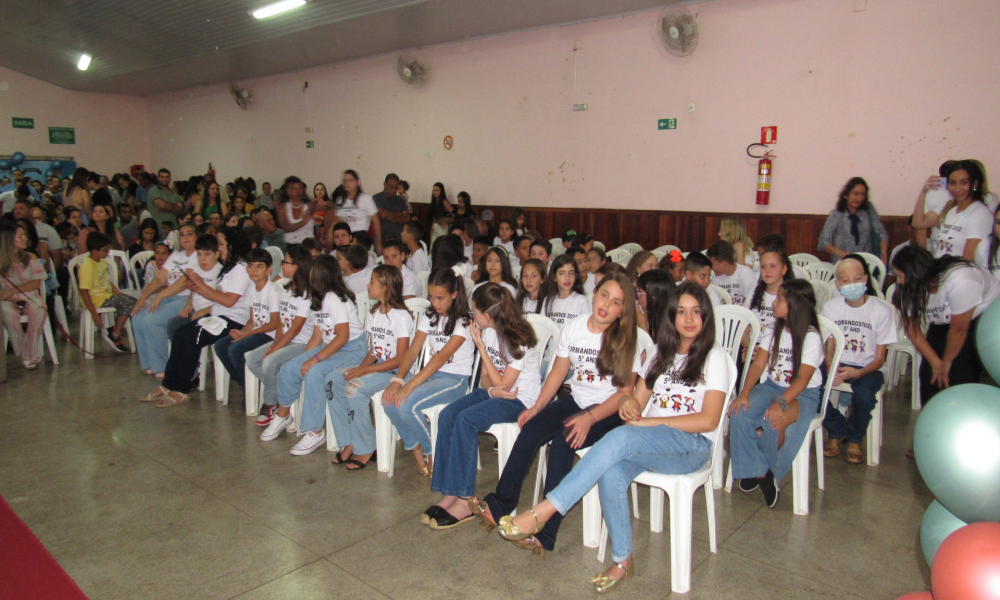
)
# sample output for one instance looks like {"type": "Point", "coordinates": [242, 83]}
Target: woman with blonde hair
{"type": "Point", "coordinates": [734, 231]}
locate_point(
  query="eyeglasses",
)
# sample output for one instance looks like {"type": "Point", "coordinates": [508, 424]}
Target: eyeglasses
{"type": "Point", "coordinates": [288, 262]}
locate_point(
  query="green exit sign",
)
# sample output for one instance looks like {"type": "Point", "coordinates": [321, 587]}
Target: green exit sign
{"type": "Point", "coordinates": [310, 144]}
{"type": "Point", "coordinates": [666, 124]}
{"type": "Point", "coordinates": [23, 123]}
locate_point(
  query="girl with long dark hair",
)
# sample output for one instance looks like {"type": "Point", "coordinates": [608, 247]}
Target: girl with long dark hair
{"type": "Point", "coordinates": [494, 267]}
{"type": "Point", "coordinates": [530, 286]}
{"type": "Point", "coordinates": [562, 297]}
{"type": "Point", "coordinates": [964, 221]}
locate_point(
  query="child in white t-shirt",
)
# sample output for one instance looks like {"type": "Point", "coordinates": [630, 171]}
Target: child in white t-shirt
{"type": "Point", "coordinates": [775, 269]}
{"type": "Point", "coordinates": [782, 407]}
{"type": "Point", "coordinates": [738, 280]}
{"type": "Point", "coordinates": [354, 265]}
{"type": "Point", "coordinates": [562, 297]}
{"type": "Point", "coordinates": [530, 286]}
{"type": "Point", "coordinates": [505, 237]}
{"type": "Point", "coordinates": [869, 328]}
{"type": "Point", "coordinates": [264, 321]}
{"type": "Point", "coordinates": [349, 389]}
{"type": "Point", "coordinates": [394, 255]}
{"type": "Point", "coordinates": [206, 265]}
{"type": "Point", "coordinates": [444, 375]}
{"type": "Point", "coordinates": [698, 269]}
{"type": "Point", "coordinates": [418, 260]}
{"type": "Point", "coordinates": [494, 267]}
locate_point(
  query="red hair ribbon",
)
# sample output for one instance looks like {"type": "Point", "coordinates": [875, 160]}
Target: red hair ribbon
{"type": "Point", "coordinates": [676, 256]}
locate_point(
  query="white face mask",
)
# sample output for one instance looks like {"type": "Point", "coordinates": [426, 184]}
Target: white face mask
{"type": "Point", "coordinates": [853, 291]}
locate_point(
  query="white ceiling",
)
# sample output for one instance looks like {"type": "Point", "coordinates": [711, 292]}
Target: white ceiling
{"type": "Point", "coordinates": [145, 47]}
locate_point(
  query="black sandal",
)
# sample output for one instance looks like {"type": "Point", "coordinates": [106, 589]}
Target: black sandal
{"type": "Point", "coordinates": [341, 461]}
{"type": "Point", "coordinates": [432, 513]}
{"type": "Point", "coordinates": [448, 521]}
{"type": "Point", "coordinates": [360, 465]}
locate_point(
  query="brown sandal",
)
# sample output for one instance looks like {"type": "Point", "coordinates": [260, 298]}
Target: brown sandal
{"type": "Point", "coordinates": [172, 399]}
{"type": "Point", "coordinates": [155, 395]}
{"type": "Point", "coordinates": [831, 448]}
{"type": "Point", "coordinates": [854, 454]}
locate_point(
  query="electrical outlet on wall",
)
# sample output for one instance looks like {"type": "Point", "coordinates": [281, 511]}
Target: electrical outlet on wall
{"type": "Point", "coordinates": [691, 107]}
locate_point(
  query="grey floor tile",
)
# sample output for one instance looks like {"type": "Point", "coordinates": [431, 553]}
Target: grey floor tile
{"type": "Point", "coordinates": [320, 580]}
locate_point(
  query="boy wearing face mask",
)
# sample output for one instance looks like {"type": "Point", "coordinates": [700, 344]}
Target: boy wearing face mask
{"type": "Point", "coordinates": [868, 328]}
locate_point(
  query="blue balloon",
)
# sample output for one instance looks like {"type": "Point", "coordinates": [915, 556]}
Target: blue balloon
{"type": "Point", "coordinates": [936, 525]}
{"type": "Point", "coordinates": [988, 340]}
{"type": "Point", "coordinates": [17, 158]}
{"type": "Point", "coordinates": [56, 164]}
{"type": "Point", "coordinates": [957, 446]}
{"type": "Point", "coordinates": [49, 173]}
{"type": "Point", "coordinates": [5, 165]}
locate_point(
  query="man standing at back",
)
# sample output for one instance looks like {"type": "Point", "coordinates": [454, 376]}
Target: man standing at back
{"type": "Point", "coordinates": [391, 209]}
{"type": "Point", "coordinates": [162, 202]}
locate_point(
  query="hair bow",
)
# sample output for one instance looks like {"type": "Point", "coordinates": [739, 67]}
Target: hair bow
{"type": "Point", "coordinates": [676, 256]}
{"type": "Point", "coordinates": [458, 271]}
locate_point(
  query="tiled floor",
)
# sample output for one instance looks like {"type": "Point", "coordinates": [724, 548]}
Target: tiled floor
{"type": "Point", "coordinates": [138, 502]}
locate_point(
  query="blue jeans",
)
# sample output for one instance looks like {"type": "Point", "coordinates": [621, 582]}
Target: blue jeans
{"type": "Point", "coordinates": [266, 369]}
{"type": "Point", "coordinates": [617, 459]}
{"type": "Point", "coordinates": [458, 439]}
{"type": "Point", "coordinates": [314, 401]}
{"type": "Point", "coordinates": [413, 427]}
{"type": "Point", "coordinates": [862, 398]}
{"type": "Point", "coordinates": [349, 408]}
{"type": "Point", "coordinates": [151, 333]}
{"type": "Point", "coordinates": [231, 353]}
{"type": "Point", "coordinates": [754, 455]}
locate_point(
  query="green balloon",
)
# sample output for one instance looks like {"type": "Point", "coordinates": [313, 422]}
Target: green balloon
{"type": "Point", "coordinates": [988, 340]}
{"type": "Point", "coordinates": [957, 446]}
{"type": "Point", "coordinates": [937, 524]}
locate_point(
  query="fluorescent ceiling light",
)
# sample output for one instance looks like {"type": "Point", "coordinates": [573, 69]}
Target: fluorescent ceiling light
{"type": "Point", "coordinates": [84, 62]}
{"type": "Point", "coordinates": [277, 8]}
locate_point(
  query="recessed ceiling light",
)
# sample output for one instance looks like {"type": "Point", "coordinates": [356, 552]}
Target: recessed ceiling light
{"type": "Point", "coordinates": [277, 8]}
{"type": "Point", "coordinates": [84, 62]}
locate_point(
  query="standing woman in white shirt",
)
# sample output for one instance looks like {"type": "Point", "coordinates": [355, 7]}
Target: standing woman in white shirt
{"type": "Point", "coordinates": [293, 211]}
{"type": "Point", "coordinates": [964, 221]}
{"type": "Point", "coordinates": [358, 209]}
{"type": "Point", "coordinates": [598, 353]}
{"type": "Point", "coordinates": [770, 419]}
{"type": "Point", "coordinates": [988, 251]}
{"type": "Point", "coordinates": [949, 294]}
{"type": "Point", "coordinates": [687, 381]}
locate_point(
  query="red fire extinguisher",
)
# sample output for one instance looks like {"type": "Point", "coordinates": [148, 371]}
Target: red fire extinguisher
{"type": "Point", "coordinates": [765, 169]}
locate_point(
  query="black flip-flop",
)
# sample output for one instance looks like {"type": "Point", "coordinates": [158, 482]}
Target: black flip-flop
{"type": "Point", "coordinates": [341, 461]}
{"type": "Point", "coordinates": [432, 513]}
{"type": "Point", "coordinates": [360, 465]}
{"type": "Point", "coordinates": [448, 521]}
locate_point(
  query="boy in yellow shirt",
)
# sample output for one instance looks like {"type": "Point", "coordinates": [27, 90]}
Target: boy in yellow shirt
{"type": "Point", "coordinates": [98, 291]}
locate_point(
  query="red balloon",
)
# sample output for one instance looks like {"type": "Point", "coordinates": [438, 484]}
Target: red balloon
{"type": "Point", "coordinates": [916, 596]}
{"type": "Point", "coordinates": [967, 564]}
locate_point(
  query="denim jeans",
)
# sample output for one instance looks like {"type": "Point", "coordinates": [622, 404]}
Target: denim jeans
{"type": "Point", "coordinates": [150, 331]}
{"type": "Point", "coordinates": [185, 354]}
{"type": "Point", "coordinates": [544, 427]}
{"type": "Point", "coordinates": [862, 399]}
{"type": "Point", "coordinates": [290, 380]}
{"type": "Point", "coordinates": [413, 427]}
{"type": "Point", "coordinates": [266, 369]}
{"type": "Point", "coordinates": [458, 439]}
{"type": "Point", "coordinates": [617, 459]}
{"type": "Point", "coordinates": [754, 455]}
{"type": "Point", "coordinates": [349, 407]}
{"type": "Point", "coordinates": [231, 353]}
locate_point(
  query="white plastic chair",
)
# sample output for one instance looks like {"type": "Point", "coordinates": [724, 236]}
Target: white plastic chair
{"type": "Point", "coordinates": [87, 326]}
{"type": "Point", "coordinates": [433, 413]}
{"type": "Point", "coordinates": [666, 249]}
{"type": "Point", "coordinates": [221, 378]}
{"type": "Point", "coordinates": [875, 266]}
{"type": "Point", "coordinates": [364, 304]}
{"type": "Point", "coordinates": [821, 289]}
{"type": "Point", "coordinates": [821, 271]}
{"type": "Point", "coordinates": [681, 489]}
{"type": "Point", "coordinates": [46, 335]}
{"type": "Point", "coordinates": [133, 282]}
{"type": "Point", "coordinates": [138, 264]}
{"type": "Point", "coordinates": [277, 257]}
{"type": "Point", "coordinates": [557, 247]}
{"type": "Point", "coordinates": [516, 272]}
{"type": "Point", "coordinates": [897, 361]}
{"type": "Point", "coordinates": [723, 294]}
{"type": "Point", "coordinates": [619, 256]}
{"type": "Point", "coordinates": [732, 323]}
{"type": "Point", "coordinates": [598, 244]}
{"type": "Point", "coordinates": [802, 259]}
{"type": "Point", "coordinates": [631, 248]}
{"type": "Point", "coordinates": [874, 435]}
{"type": "Point", "coordinates": [423, 276]}
{"type": "Point", "coordinates": [546, 331]}
{"type": "Point", "coordinates": [800, 466]}
{"type": "Point", "coordinates": [386, 435]}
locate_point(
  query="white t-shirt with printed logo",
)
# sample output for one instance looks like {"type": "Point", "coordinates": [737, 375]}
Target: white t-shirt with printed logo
{"type": "Point", "coordinates": [581, 347]}
{"type": "Point", "coordinates": [385, 331]}
{"type": "Point", "coordinates": [358, 213]}
{"type": "Point", "coordinates": [264, 302]}
{"type": "Point", "coordinates": [529, 378]}
{"type": "Point", "coordinates": [460, 362]}
{"type": "Point", "coordinates": [529, 305]}
{"type": "Point", "coordinates": [564, 310]}
{"type": "Point", "coordinates": [739, 285]}
{"type": "Point", "coordinates": [236, 281]}
{"type": "Point", "coordinates": [812, 354]}
{"type": "Point", "coordinates": [765, 314]}
{"type": "Point", "coordinates": [865, 328]}
{"type": "Point", "coordinates": [175, 265]}
{"type": "Point", "coordinates": [955, 228]}
{"type": "Point", "coordinates": [962, 288]}
{"type": "Point", "coordinates": [291, 307]}
{"type": "Point", "coordinates": [335, 311]}
{"type": "Point", "coordinates": [211, 278]}
{"type": "Point", "coordinates": [672, 398]}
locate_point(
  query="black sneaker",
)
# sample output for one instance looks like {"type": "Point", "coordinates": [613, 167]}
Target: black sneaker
{"type": "Point", "coordinates": [769, 489]}
{"type": "Point", "coordinates": [748, 485]}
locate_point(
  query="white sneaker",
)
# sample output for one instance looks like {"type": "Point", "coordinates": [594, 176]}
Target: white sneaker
{"type": "Point", "coordinates": [276, 426]}
{"type": "Point", "coordinates": [110, 342]}
{"type": "Point", "coordinates": [309, 442]}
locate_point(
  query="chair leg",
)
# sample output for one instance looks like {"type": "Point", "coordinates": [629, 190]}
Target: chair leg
{"type": "Point", "coordinates": [681, 506]}
{"type": "Point", "coordinates": [710, 509]}
{"type": "Point", "coordinates": [131, 335]}
{"type": "Point", "coordinates": [656, 509]}
{"type": "Point", "coordinates": [729, 477]}
{"type": "Point", "coordinates": [203, 370]}
{"type": "Point", "coordinates": [87, 334]}
{"type": "Point", "coordinates": [331, 436]}
{"type": "Point", "coordinates": [252, 393]}
{"type": "Point", "coordinates": [820, 465]}
{"type": "Point", "coordinates": [635, 500]}
{"type": "Point", "coordinates": [50, 341]}
{"type": "Point", "coordinates": [592, 518]}
{"type": "Point", "coordinates": [800, 481]}
{"type": "Point", "coordinates": [221, 380]}
{"type": "Point", "coordinates": [875, 432]}
{"type": "Point", "coordinates": [296, 411]}
{"type": "Point", "coordinates": [604, 541]}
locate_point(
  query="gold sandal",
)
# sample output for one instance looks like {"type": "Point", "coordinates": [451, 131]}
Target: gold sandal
{"type": "Point", "coordinates": [155, 395]}
{"type": "Point", "coordinates": [168, 400]}
{"type": "Point", "coordinates": [510, 532]}
{"type": "Point", "coordinates": [602, 583]}
{"type": "Point", "coordinates": [478, 508]}
{"type": "Point", "coordinates": [531, 543]}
